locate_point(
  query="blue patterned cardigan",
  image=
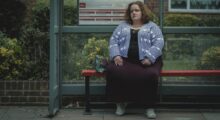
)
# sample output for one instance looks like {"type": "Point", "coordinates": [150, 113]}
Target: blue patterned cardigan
{"type": "Point", "coordinates": [150, 41]}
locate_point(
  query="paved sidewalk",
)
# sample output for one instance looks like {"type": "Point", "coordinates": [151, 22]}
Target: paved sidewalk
{"type": "Point", "coordinates": [41, 112]}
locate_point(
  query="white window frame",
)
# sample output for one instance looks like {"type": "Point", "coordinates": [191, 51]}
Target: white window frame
{"type": "Point", "coordinates": [188, 10]}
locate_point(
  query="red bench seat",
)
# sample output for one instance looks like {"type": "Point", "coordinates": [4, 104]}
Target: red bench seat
{"type": "Point", "coordinates": [89, 73]}
{"type": "Point", "coordinates": [165, 73]}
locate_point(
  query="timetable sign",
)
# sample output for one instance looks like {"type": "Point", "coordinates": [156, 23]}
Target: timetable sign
{"type": "Point", "coordinates": [102, 12]}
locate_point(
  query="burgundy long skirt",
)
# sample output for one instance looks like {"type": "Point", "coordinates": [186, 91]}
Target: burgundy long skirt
{"type": "Point", "coordinates": [133, 82]}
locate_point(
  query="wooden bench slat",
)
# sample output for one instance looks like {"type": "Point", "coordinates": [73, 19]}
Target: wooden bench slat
{"type": "Point", "coordinates": [165, 73]}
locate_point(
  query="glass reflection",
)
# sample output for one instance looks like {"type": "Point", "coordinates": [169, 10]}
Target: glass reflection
{"type": "Point", "coordinates": [74, 57]}
{"type": "Point", "coordinates": [179, 4]}
{"type": "Point", "coordinates": [205, 4]}
{"type": "Point", "coordinates": [181, 52]}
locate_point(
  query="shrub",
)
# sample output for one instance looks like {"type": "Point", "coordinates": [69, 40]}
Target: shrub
{"type": "Point", "coordinates": [76, 59]}
{"type": "Point", "coordinates": [40, 17]}
{"type": "Point", "coordinates": [210, 58]}
{"type": "Point", "coordinates": [210, 20]}
{"type": "Point", "coordinates": [35, 47]}
{"type": "Point", "coordinates": [202, 42]}
{"type": "Point", "coordinates": [178, 49]}
{"type": "Point", "coordinates": [34, 40]}
{"type": "Point", "coordinates": [181, 20]}
{"type": "Point", "coordinates": [70, 15]}
{"type": "Point", "coordinates": [10, 58]}
{"type": "Point", "coordinates": [92, 48]}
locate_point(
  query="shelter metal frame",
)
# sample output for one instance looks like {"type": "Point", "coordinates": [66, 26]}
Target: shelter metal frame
{"type": "Point", "coordinates": [56, 88]}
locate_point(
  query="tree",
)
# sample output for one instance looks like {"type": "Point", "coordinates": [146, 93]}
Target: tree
{"type": "Point", "coordinates": [12, 13]}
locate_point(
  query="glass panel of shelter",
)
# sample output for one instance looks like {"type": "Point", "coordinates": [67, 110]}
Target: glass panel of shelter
{"type": "Point", "coordinates": [176, 50]}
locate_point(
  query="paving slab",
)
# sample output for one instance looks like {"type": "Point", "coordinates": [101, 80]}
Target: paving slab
{"type": "Point", "coordinates": [16, 113]}
{"type": "Point", "coordinates": [41, 113]}
{"type": "Point", "coordinates": [211, 114]}
{"type": "Point", "coordinates": [3, 111]}
{"type": "Point", "coordinates": [78, 114]}
{"type": "Point", "coordinates": [130, 114]}
{"type": "Point", "coordinates": [180, 116]}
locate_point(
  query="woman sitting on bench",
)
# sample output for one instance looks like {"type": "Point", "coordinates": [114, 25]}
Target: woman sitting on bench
{"type": "Point", "coordinates": [135, 53]}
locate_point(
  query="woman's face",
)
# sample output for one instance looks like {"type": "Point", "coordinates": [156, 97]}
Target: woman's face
{"type": "Point", "coordinates": [135, 12]}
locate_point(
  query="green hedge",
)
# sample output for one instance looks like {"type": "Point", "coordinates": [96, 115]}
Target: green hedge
{"type": "Point", "coordinates": [191, 20]}
{"type": "Point", "coordinates": [210, 58]}
{"type": "Point", "coordinates": [181, 20]}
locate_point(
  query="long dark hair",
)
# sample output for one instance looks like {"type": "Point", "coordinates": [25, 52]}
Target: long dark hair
{"type": "Point", "coordinates": [145, 17]}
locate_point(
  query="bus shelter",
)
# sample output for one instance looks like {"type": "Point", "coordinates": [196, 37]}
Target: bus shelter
{"type": "Point", "coordinates": [58, 30]}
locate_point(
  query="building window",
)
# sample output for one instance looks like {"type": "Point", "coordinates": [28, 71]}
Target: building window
{"type": "Point", "coordinates": [202, 6]}
{"type": "Point", "coordinates": [179, 4]}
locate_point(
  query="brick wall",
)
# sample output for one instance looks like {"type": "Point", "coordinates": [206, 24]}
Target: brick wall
{"type": "Point", "coordinates": [24, 92]}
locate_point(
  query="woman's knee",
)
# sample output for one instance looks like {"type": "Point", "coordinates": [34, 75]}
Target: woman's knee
{"type": "Point", "coordinates": [112, 68]}
{"type": "Point", "coordinates": [153, 74]}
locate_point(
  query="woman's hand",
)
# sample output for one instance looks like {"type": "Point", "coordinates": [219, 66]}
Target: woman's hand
{"type": "Point", "coordinates": [146, 62]}
{"type": "Point", "coordinates": [118, 61]}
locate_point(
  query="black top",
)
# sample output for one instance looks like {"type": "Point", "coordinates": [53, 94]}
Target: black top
{"type": "Point", "coordinates": [133, 47]}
